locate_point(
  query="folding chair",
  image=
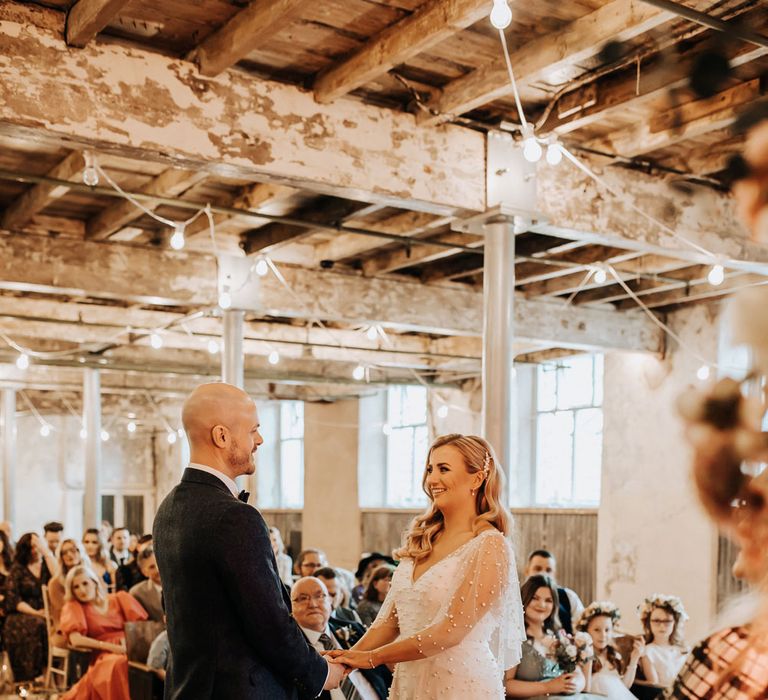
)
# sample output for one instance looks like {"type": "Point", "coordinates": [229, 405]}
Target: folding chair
{"type": "Point", "coordinates": [58, 657]}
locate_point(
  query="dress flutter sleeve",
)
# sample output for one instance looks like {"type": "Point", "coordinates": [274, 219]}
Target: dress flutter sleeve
{"type": "Point", "coordinates": [73, 618]}
{"type": "Point", "coordinates": [132, 610]}
{"type": "Point", "coordinates": [387, 615]}
{"type": "Point", "coordinates": [487, 584]}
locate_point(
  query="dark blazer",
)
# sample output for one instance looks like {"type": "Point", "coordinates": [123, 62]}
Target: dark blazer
{"type": "Point", "coordinates": [229, 625]}
{"type": "Point", "coordinates": [347, 635]}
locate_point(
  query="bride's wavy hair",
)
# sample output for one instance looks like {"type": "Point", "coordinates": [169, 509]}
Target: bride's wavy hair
{"type": "Point", "coordinates": [477, 454]}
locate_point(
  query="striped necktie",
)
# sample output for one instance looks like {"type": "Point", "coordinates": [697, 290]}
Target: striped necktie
{"type": "Point", "coordinates": [347, 686]}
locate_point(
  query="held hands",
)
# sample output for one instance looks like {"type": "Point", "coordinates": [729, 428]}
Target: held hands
{"type": "Point", "coordinates": [350, 659]}
{"type": "Point", "coordinates": [336, 673]}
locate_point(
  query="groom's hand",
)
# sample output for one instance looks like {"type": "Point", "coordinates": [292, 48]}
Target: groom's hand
{"type": "Point", "coordinates": [335, 675]}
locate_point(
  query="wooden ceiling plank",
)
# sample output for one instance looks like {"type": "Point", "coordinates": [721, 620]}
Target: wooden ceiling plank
{"type": "Point", "coordinates": [169, 183]}
{"type": "Point", "coordinates": [86, 18]}
{"type": "Point", "coordinates": [36, 198]}
{"type": "Point", "coordinates": [243, 33]}
{"type": "Point", "coordinates": [618, 20]}
{"type": "Point", "coordinates": [433, 22]}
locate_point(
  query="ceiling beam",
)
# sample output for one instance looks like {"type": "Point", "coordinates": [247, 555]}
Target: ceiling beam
{"type": "Point", "coordinates": [619, 20]}
{"type": "Point", "coordinates": [86, 18]}
{"type": "Point", "coordinates": [156, 107]}
{"type": "Point", "coordinates": [39, 196]}
{"type": "Point", "coordinates": [433, 22]}
{"type": "Point", "coordinates": [170, 183]}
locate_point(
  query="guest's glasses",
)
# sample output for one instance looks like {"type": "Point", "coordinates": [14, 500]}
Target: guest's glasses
{"type": "Point", "coordinates": [303, 599]}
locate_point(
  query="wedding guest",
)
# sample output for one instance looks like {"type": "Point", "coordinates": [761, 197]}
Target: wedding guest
{"type": "Point", "coordinates": [26, 638]}
{"type": "Point", "coordinates": [375, 593]}
{"type": "Point", "coordinates": [663, 617]}
{"type": "Point", "coordinates": [128, 575]}
{"type": "Point", "coordinates": [538, 676]}
{"type": "Point", "coordinates": [311, 608]}
{"type": "Point", "coordinates": [309, 561]}
{"type": "Point", "coordinates": [95, 621]}
{"type": "Point", "coordinates": [540, 561]}
{"type": "Point", "coordinates": [133, 543]}
{"type": "Point", "coordinates": [119, 552]}
{"type": "Point", "coordinates": [335, 587]}
{"type": "Point", "coordinates": [105, 531]}
{"type": "Point", "coordinates": [284, 562]}
{"type": "Point", "coordinates": [69, 555]}
{"type": "Point", "coordinates": [150, 591]}
{"type": "Point", "coordinates": [96, 549]}
{"type": "Point", "coordinates": [611, 676]}
{"type": "Point", "coordinates": [6, 561]}
{"type": "Point", "coordinates": [52, 535]}
{"type": "Point", "coordinates": [159, 654]}
{"type": "Point", "coordinates": [365, 567]}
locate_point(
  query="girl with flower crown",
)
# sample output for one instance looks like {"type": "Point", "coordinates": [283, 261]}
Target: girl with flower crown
{"type": "Point", "coordinates": [663, 617]}
{"type": "Point", "coordinates": [610, 675]}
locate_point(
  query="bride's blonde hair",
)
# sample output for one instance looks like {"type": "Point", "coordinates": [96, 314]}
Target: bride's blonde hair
{"type": "Point", "coordinates": [478, 456]}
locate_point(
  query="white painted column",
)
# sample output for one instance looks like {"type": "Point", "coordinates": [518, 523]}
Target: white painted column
{"type": "Point", "coordinates": [92, 425]}
{"type": "Point", "coordinates": [8, 451]}
{"type": "Point", "coordinates": [232, 353]}
{"type": "Point", "coordinates": [498, 337]}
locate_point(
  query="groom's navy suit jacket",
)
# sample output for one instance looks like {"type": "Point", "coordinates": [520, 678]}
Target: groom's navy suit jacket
{"type": "Point", "coordinates": [229, 625]}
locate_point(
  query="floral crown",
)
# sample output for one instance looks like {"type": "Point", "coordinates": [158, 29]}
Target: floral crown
{"type": "Point", "coordinates": [596, 609]}
{"type": "Point", "coordinates": [659, 600]}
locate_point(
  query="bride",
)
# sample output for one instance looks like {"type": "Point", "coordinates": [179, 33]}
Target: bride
{"type": "Point", "coordinates": [452, 621]}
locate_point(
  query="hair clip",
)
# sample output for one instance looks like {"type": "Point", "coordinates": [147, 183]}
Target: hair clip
{"type": "Point", "coordinates": [487, 463]}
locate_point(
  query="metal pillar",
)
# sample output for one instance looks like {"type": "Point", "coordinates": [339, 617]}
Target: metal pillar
{"type": "Point", "coordinates": [8, 452]}
{"type": "Point", "coordinates": [92, 425]}
{"type": "Point", "coordinates": [498, 337]}
{"type": "Point", "coordinates": [232, 352]}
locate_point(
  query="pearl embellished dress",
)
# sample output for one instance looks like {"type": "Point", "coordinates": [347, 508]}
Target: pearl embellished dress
{"type": "Point", "coordinates": [466, 614]}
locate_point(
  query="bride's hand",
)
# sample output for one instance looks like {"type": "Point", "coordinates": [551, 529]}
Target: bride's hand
{"type": "Point", "coordinates": [332, 653]}
{"type": "Point", "coordinates": [353, 659]}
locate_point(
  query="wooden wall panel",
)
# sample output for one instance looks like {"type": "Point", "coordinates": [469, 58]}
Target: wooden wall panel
{"type": "Point", "coordinates": [289, 524]}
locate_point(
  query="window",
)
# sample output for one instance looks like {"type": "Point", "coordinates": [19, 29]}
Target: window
{"type": "Point", "coordinates": [281, 457]}
{"type": "Point", "coordinates": [569, 431]}
{"type": "Point", "coordinates": [393, 444]}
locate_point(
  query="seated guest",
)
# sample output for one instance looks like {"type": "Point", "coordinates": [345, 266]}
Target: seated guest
{"type": "Point", "coordinates": [69, 555]}
{"type": "Point", "coordinates": [311, 608]}
{"type": "Point", "coordinates": [52, 536]}
{"type": "Point", "coordinates": [334, 586]}
{"type": "Point", "coordinates": [26, 638]}
{"type": "Point", "coordinates": [119, 552]}
{"type": "Point", "coordinates": [612, 676]}
{"type": "Point", "coordinates": [96, 549]}
{"type": "Point", "coordinates": [133, 544]}
{"type": "Point", "coordinates": [365, 568]}
{"type": "Point", "coordinates": [159, 652]}
{"type": "Point", "coordinates": [543, 562]}
{"type": "Point", "coordinates": [537, 675]}
{"type": "Point", "coordinates": [284, 562]}
{"type": "Point", "coordinates": [375, 592]}
{"type": "Point", "coordinates": [128, 575]}
{"type": "Point", "coordinates": [95, 621]}
{"type": "Point", "coordinates": [6, 561]}
{"type": "Point", "coordinates": [309, 561]}
{"type": "Point", "coordinates": [663, 617]}
{"type": "Point", "coordinates": [149, 592]}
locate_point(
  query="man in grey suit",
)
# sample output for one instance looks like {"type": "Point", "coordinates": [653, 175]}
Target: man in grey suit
{"type": "Point", "coordinates": [150, 591]}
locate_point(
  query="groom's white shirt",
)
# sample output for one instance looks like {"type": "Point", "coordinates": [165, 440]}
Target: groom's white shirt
{"type": "Point", "coordinates": [358, 679]}
{"type": "Point", "coordinates": [229, 483]}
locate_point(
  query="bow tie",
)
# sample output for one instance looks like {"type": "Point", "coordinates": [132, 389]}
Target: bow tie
{"type": "Point", "coordinates": [243, 496]}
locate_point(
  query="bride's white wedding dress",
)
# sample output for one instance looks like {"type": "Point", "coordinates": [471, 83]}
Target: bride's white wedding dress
{"type": "Point", "coordinates": [466, 614]}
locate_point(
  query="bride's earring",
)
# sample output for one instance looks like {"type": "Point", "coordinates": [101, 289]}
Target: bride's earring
{"type": "Point", "coordinates": [472, 491]}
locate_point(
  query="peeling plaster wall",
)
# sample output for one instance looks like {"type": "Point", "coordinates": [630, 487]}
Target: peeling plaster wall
{"type": "Point", "coordinates": [652, 534]}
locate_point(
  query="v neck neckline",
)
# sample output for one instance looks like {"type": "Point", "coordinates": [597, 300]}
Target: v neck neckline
{"type": "Point", "coordinates": [415, 580]}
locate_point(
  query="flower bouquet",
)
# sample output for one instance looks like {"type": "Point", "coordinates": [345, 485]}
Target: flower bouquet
{"type": "Point", "coordinates": [571, 652]}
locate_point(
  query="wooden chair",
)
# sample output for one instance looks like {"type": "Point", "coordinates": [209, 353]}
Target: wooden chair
{"type": "Point", "coordinates": [58, 657]}
{"type": "Point", "coordinates": [143, 682]}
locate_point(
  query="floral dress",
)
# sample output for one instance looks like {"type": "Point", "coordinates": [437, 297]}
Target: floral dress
{"type": "Point", "coordinates": [25, 636]}
{"type": "Point", "coordinates": [535, 667]}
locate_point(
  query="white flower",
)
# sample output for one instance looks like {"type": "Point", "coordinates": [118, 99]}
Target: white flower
{"type": "Point", "coordinates": [571, 650]}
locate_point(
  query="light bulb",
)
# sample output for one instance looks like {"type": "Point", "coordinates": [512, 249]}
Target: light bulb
{"type": "Point", "coordinates": [501, 15]}
{"type": "Point", "coordinates": [512, 372]}
{"type": "Point", "coordinates": [104, 436]}
{"type": "Point", "coordinates": [213, 346]}
{"type": "Point", "coordinates": [386, 429]}
{"type": "Point", "coordinates": [83, 433]}
{"type": "Point", "coordinates": [262, 267]}
{"type": "Point", "coordinates": [554, 154]}
{"type": "Point", "coordinates": [225, 298]}
{"type": "Point", "coordinates": [131, 427]}
{"type": "Point", "coordinates": [531, 150]}
{"type": "Point", "coordinates": [45, 430]}
{"type": "Point", "coordinates": [358, 373]}
{"type": "Point", "coordinates": [177, 239]}
{"type": "Point", "coordinates": [703, 373]}
{"type": "Point", "coordinates": [156, 341]}
{"type": "Point", "coordinates": [600, 276]}
{"type": "Point", "coordinates": [180, 432]}
{"type": "Point", "coordinates": [716, 275]}
{"type": "Point", "coordinates": [274, 357]}
{"type": "Point", "coordinates": [90, 175]}
{"type": "Point", "coordinates": [372, 333]}
{"type": "Point", "coordinates": [22, 361]}
{"type": "Point", "coordinates": [442, 412]}
{"type": "Point", "coordinates": [171, 438]}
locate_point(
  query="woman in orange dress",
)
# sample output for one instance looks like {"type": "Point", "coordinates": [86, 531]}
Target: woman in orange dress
{"type": "Point", "coordinates": [91, 620]}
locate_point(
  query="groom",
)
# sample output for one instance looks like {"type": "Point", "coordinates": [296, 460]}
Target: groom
{"type": "Point", "coordinates": [229, 625]}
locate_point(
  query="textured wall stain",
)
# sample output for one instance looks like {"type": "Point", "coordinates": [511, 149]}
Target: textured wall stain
{"type": "Point", "coordinates": [622, 568]}
{"type": "Point", "coordinates": [242, 145]}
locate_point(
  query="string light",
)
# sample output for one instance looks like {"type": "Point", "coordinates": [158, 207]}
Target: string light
{"type": "Point", "coordinates": [442, 412]}
{"type": "Point", "coordinates": [104, 436]}
{"type": "Point", "coordinates": [83, 433]}
{"type": "Point", "coordinates": [716, 275]}
{"type": "Point", "coordinates": [225, 298]}
{"type": "Point", "coordinates": [22, 361]}
{"type": "Point", "coordinates": [372, 333]}
{"type": "Point", "coordinates": [358, 373]}
{"type": "Point", "coordinates": [177, 239]}
{"type": "Point", "coordinates": [156, 341]}
{"type": "Point", "coordinates": [274, 357]}
{"type": "Point", "coordinates": [554, 153]}
{"type": "Point", "coordinates": [180, 432]}
{"type": "Point", "coordinates": [171, 438]}
{"type": "Point", "coordinates": [600, 275]}
{"type": "Point", "coordinates": [213, 346]}
{"type": "Point", "coordinates": [501, 15]}
{"type": "Point", "coordinates": [45, 430]}
{"type": "Point", "coordinates": [131, 427]}
{"type": "Point", "coordinates": [262, 267]}
{"type": "Point", "coordinates": [703, 373]}
{"type": "Point", "coordinates": [90, 175]}
{"type": "Point", "coordinates": [386, 429]}
{"type": "Point", "coordinates": [531, 148]}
